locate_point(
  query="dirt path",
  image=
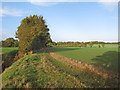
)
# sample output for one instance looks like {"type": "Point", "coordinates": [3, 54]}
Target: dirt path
{"type": "Point", "coordinates": [86, 67]}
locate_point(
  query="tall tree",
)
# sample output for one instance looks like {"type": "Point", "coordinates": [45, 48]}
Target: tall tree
{"type": "Point", "coordinates": [33, 34]}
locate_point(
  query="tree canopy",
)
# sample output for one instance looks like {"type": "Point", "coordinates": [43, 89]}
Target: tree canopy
{"type": "Point", "coordinates": [33, 34]}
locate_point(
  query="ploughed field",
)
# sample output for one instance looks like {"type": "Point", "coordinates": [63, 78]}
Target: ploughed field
{"type": "Point", "coordinates": [63, 68]}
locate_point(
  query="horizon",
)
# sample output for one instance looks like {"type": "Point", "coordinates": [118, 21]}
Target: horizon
{"type": "Point", "coordinates": [67, 21]}
{"type": "Point", "coordinates": [75, 41]}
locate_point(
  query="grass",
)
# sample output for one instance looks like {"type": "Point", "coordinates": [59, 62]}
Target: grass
{"type": "Point", "coordinates": [8, 50]}
{"type": "Point", "coordinates": [42, 71]}
{"type": "Point", "coordinates": [8, 54]}
{"type": "Point", "coordinates": [32, 71]}
{"type": "Point", "coordinates": [105, 57]}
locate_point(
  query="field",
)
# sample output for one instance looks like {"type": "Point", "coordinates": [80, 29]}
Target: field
{"type": "Point", "coordinates": [8, 51]}
{"type": "Point", "coordinates": [43, 70]}
{"type": "Point", "coordinates": [106, 57]}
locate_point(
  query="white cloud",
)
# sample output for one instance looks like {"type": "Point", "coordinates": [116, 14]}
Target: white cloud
{"type": "Point", "coordinates": [50, 2]}
{"type": "Point", "coordinates": [108, 4]}
{"type": "Point", "coordinates": [11, 12]}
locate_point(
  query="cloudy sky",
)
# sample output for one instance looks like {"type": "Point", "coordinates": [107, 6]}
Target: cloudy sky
{"type": "Point", "coordinates": [67, 21]}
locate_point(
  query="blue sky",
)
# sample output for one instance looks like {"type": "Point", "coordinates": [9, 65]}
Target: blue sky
{"type": "Point", "coordinates": [67, 21]}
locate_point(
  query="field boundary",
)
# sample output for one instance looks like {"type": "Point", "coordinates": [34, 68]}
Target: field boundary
{"type": "Point", "coordinates": [85, 67]}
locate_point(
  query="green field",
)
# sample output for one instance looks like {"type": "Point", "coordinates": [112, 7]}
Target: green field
{"type": "Point", "coordinates": [106, 57]}
{"type": "Point", "coordinates": [40, 70]}
{"type": "Point", "coordinates": [8, 51]}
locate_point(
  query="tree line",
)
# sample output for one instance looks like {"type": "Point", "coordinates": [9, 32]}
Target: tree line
{"type": "Point", "coordinates": [9, 42]}
{"type": "Point", "coordinates": [78, 44]}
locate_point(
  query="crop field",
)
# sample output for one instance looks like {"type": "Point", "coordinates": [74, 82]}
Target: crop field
{"type": "Point", "coordinates": [106, 57]}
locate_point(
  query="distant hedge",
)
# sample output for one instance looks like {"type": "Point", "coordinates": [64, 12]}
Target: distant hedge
{"type": "Point", "coordinates": [78, 44]}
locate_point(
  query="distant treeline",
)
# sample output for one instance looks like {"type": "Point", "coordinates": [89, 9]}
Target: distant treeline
{"type": "Point", "coordinates": [79, 44]}
{"type": "Point", "coordinates": [9, 42]}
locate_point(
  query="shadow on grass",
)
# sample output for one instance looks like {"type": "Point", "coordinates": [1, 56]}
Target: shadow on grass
{"type": "Point", "coordinates": [108, 60]}
{"type": "Point", "coordinates": [58, 49]}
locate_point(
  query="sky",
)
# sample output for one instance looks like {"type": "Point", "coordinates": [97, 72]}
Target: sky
{"type": "Point", "coordinates": [67, 21]}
